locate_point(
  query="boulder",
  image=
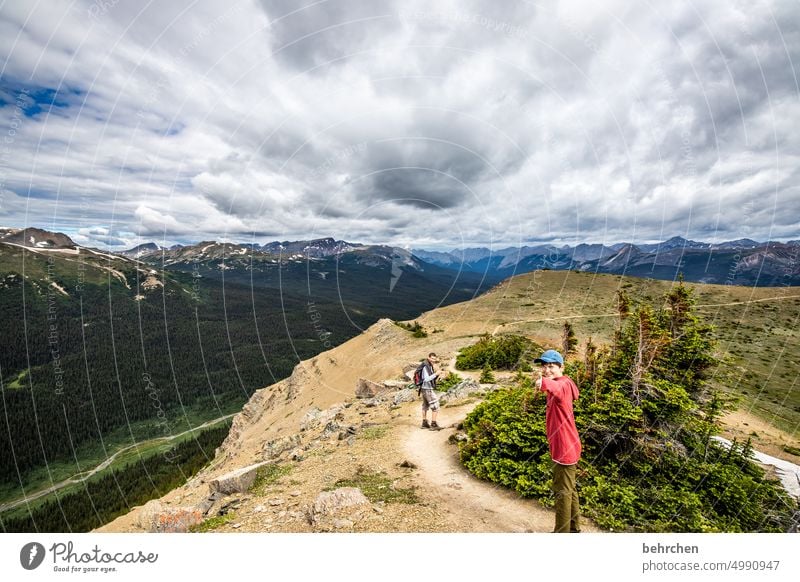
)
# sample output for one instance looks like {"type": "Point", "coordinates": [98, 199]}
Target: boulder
{"type": "Point", "coordinates": [344, 500]}
{"type": "Point", "coordinates": [369, 389]}
{"type": "Point", "coordinates": [406, 395]}
{"type": "Point", "coordinates": [408, 369]}
{"type": "Point", "coordinates": [314, 416]}
{"type": "Point", "coordinates": [330, 428]}
{"type": "Point", "coordinates": [463, 390]}
{"type": "Point", "coordinates": [310, 419]}
{"type": "Point", "coordinates": [275, 448]}
{"type": "Point", "coordinates": [206, 505]}
{"type": "Point", "coordinates": [237, 481]}
{"type": "Point", "coordinates": [394, 385]}
{"type": "Point", "coordinates": [154, 517]}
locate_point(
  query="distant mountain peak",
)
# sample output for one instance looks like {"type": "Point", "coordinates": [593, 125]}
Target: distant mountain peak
{"type": "Point", "coordinates": [36, 238]}
{"type": "Point", "coordinates": [141, 250]}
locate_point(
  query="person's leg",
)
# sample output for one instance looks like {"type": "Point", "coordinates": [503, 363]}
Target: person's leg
{"type": "Point", "coordinates": [424, 410]}
{"type": "Point", "coordinates": [575, 511]}
{"type": "Point", "coordinates": [563, 485]}
{"type": "Point", "coordinates": [434, 410]}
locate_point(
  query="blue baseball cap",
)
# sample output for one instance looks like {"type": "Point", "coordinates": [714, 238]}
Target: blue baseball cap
{"type": "Point", "coordinates": [550, 357]}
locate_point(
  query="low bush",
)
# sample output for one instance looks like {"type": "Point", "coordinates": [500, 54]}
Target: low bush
{"type": "Point", "coordinates": [646, 418]}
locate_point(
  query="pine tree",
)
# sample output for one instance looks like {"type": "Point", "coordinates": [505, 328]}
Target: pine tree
{"type": "Point", "coordinates": [568, 340]}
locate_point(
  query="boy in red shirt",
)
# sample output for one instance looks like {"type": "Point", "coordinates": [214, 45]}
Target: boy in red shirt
{"type": "Point", "coordinates": [562, 435]}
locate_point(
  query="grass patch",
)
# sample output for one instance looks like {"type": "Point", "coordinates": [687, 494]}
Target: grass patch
{"type": "Point", "coordinates": [791, 450]}
{"type": "Point", "coordinates": [415, 328]}
{"type": "Point", "coordinates": [212, 523]}
{"type": "Point", "coordinates": [378, 487]}
{"type": "Point", "coordinates": [374, 432]}
{"type": "Point", "coordinates": [267, 475]}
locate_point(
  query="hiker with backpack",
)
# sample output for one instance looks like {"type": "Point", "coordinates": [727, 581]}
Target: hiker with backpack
{"type": "Point", "coordinates": [425, 379]}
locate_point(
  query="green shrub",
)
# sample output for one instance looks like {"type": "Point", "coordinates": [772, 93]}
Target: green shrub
{"type": "Point", "coordinates": [452, 379]}
{"type": "Point", "coordinates": [487, 377]}
{"type": "Point", "coordinates": [645, 421]}
{"type": "Point", "coordinates": [212, 523]}
{"type": "Point", "coordinates": [415, 328]}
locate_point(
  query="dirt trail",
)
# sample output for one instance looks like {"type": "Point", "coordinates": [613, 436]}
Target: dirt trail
{"type": "Point", "coordinates": [487, 506]}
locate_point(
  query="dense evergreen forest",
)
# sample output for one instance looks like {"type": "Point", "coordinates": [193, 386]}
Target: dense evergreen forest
{"type": "Point", "coordinates": [102, 350]}
{"type": "Point", "coordinates": [112, 495]}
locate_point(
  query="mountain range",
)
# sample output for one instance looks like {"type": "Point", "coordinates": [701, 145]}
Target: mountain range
{"type": "Point", "coordinates": [738, 262]}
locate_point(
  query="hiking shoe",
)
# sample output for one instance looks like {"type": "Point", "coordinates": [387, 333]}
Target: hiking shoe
{"type": "Point", "coordinates": [425, 423]}
{"type": "Point", "coordinates": [435, 426]}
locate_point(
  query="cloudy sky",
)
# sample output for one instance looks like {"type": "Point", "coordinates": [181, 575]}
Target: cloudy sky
{"type": "Point", "coordinates": [431, 124]}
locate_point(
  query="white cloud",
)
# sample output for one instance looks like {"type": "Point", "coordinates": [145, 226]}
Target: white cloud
{"type": "Point", "coordinates": [458, 123]}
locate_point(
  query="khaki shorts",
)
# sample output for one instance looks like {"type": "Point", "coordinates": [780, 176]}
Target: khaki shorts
{"type": "Point", "coordinates": [429, 400]}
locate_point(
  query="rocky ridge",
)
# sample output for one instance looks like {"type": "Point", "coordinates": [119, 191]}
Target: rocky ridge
{"type": "Point", "coordinates": [318, 436]}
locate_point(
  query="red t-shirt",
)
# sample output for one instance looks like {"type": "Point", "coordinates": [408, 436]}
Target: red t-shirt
{"type": "Point", "coordinates": [562, 434]}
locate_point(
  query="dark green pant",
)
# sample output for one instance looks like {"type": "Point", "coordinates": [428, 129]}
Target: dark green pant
{"type": "Point", "coordinates": [568, 511]}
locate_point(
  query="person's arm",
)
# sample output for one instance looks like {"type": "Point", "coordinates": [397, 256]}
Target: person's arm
{"type": "Point", "coordinates": [551, 387]}
{"type": "Point", "coordinates": [427, 376]}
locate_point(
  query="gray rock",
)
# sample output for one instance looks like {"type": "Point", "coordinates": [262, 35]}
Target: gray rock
{"type": "Point", "coordinates": [464, 390]}
{"type": "Point", "coordinates": [275, 448]}
{"type": "Point", "coordinates": [369, 389]}
{"type": "Point", "coordinates": [330, 503]}
{"type": "Point", "coordinates": [224, 506]}
{"type": "Point", "coordinates": [310, 419]}
{"type": "Point", "coordinates": [408, 370]}
{"type": "Point", "coordinates": [154, 517]}
{"type": "Point", "coordinates": [348, 432]}
{"type": "Point", "coordinates": [315, 417]}
{"type": "Point", "coordinates": [330, 428]}
{"type": "Point", "coordinates": [206, 505]}
{"type": "Point", "coordinates": [394, 385]}
{"type": "Point", "coordinates": [405, 395]}
{"type": "Point", "coordinates": [237, 481]}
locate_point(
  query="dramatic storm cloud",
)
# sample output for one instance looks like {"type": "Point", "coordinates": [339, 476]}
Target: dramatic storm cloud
{"type": "Point", "coordinates": [438, 124]}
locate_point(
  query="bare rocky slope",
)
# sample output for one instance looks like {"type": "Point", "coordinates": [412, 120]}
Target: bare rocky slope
{"type": "Point", "coordinates": [306, 454]}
